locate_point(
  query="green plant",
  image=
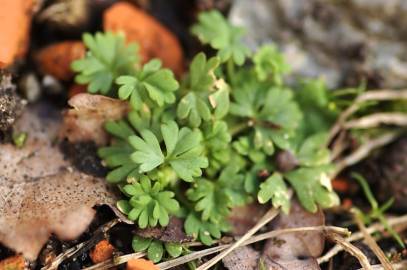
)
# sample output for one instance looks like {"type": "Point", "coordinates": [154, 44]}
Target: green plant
{"type": "Point", "coordinates": [107, 58]}
{"type": "Point", "coordinates": [376, 212]}
{"type": "Point", "coordinates": [156, 249]}
{"type": "Point", "coordinates": [200, 147]}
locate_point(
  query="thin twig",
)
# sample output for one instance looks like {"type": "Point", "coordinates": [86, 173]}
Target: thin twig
{"type": "Point", "coordinates": [115, 261]}
{"type": "Point", "coordinates": [374, 95]}
{"type": "Point", "coordinates": [363, 151]}
{"type": "Point", "coordinates": [372, 244]}
{"type": "Point", "coordinates": [396, 266]}
{"type": "Point", "coordinates": [346, 245]}
{"type": "Point", "coordinates": [251, 240]}
{"type": "Point", "coordinates": [359, 235]}
{"type": "Point", "coordinates": [271, 214]}
{"type": "Point", "coordinates": [374, 120]}
{"type": "Point", "coordinates": [74, 250]}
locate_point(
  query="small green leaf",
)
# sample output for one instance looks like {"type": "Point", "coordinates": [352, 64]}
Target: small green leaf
{"type": "Point", "coordinates": [174, 249]}
{"type": "Point", "coordinates": [140, 244]}
{"type": "Point", "coordinates": [155, 251]}
{"type": "Point", "coordinates": [275, 189]}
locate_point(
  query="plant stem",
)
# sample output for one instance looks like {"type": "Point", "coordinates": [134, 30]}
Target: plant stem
{"type": "Point", "coordinates": [234, 130]}
{"type": "Point", "coordinates": [230, 69]}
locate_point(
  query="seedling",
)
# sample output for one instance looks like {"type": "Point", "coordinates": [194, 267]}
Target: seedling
{"type": "Point", "coordinates": [376, 212]}
{"type": "Point", "coordinates": [199, 147]}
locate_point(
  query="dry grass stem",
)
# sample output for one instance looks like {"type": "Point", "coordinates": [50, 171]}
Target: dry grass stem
{"type": "Point", "coordinates": [372, 244]}
{"type": "Point", "coordinates": [347, 246]}
{"type": "Point", "coordinates": [376, 227]}
{"type": "Point", "coordinates": [363, 151]}
{"type": "Point", "coordinates": [376, 119]}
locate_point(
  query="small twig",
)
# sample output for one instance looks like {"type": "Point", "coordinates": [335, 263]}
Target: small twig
{"type": "Point", "coordinates": [396, 266]}
{"type": "Point", "coordinates": [372, 244]}
{"type": "Point", "coordinates": [375, 95]}
{"type": "Point", "coordinates": [251, 240]}
{"type": "Point", "coordinates": [271, 214]}
{"type": "Point", "coordinates": [364, 262]}
{"type": "Point", "coordinates": [115, 261]}
{"type": "Point", "coordinates": [74, 250]}
{"type": "Point", "coordinates": [359, 235]}
{"type": "Point", "coordinates": [363, 151]}
{"type": "Point", "coordinates": [374, 120]}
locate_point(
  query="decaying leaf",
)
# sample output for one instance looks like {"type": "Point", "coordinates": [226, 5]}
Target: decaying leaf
{"type": "Point", "coordinates": [243, 218]}
{"type": "Point", "coordinates": [40, 193]}
{"type": "Point", "coordinates": [84, 122]}
{"type": "Point", "coordinates": [295, 250]}
{"type": "Point", "coordinates": [173, 232]}
{"type": "Point", "coordinates": [243, 258]}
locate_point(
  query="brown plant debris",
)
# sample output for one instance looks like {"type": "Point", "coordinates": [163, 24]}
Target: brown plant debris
{"type": "Point", "coordinates": [295, 250]}
{"type": "Point", "coordinates": [173, 232]}
{"type": "Point", "coordinates": [84, 122]}
{"type": "Point", "coordinates": [11, 104]}
{"type": "Point", "coordinates": [40, 192]}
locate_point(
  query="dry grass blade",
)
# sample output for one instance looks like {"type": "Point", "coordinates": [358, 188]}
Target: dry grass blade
{"type": "Point", "coordinates": [359, 235]}
{"type": "Point", "coordinates": [396, 266]}
{"type": "Point", "coordinates": [374, 120]}
{"type": "Point", "coordinates": [251, 240]}
{"type": "Point", "coordinates": [363, 151]}
{"type": "Point", "coordinates": [271, 214]}
{"type": "Point", "coordinates": [376, 95]}
{"type": "Point", "coordinates": [364, 262]}
{"type": "Point", "coordinates": [372, 244]}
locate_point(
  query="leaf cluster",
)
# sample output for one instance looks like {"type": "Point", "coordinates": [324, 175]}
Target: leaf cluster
{"type": "Point", "coordinates": [199, 147]}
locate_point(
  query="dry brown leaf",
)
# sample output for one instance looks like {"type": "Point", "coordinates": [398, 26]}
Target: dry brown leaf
{"type": "Point", "coordinates": [243, 258]}
{"type": "Point", "coordinates": [84, 122]}
{"type": "Point", "coordinates": [242, 218]}
{"type": "Point", "coordinates": [40, 193]}
{"type": "Point", "coordinates": [295, 250]}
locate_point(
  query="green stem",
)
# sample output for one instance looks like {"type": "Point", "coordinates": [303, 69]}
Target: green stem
{"type": "Point", "coordinates": [234, 130]}
{"type": "Point", "coordinates": [230, 69]}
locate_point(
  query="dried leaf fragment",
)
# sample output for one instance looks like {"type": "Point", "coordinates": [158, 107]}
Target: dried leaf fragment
{"type": "Point", "coordinates": [84, 122]}
{"type": "Point", "coordinates": [40, 193]}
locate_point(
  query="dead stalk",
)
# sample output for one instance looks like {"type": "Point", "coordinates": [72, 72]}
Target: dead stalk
{"type": "Point", "coordinates": [271, 214]}
{"type": "Point", "coordinates": [346, 245]}
{"type": "Point", "coordinates": [359, 235]}
{"type": "Point", "coordinates": [251, 240]}
{"type": "Point", "coordinates": [372, 244]}
{"type": "Point", "coordinates": [376, 119]}
{"type": "Point", "coordinates": [375, 95]}
{"type": "Point", "coordinates": [363, 151]}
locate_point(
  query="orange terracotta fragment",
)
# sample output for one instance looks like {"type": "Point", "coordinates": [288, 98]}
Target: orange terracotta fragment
{"type": "Point", "coordinates": [76, 89]}
{"type": "Point", "coordinates": [56, 59]}
{"type": "Point", "coordinates": [13, 263]}
{"type": "Point", "coordinates": [154, 39]}
{"type": "Point", "coordinates": [15, 20]}
{"type": "Point", "coordinates": [102, 252]}
{"type": "Point", "coordinates": [141, 264]}
{"type": "Point", "coordinates": [340, 185]}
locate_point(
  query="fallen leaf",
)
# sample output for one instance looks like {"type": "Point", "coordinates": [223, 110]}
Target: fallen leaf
{"type": "Point", "coordinates": [295, 250]}
{"type": "Point", "coordinates": [84, 122]}
{"type": "Point", "coordinates": [40, 193]}
{"type": "Point", "coordinates": [243, 258]}
{"type": "Point", "coordinates": [243, 218]}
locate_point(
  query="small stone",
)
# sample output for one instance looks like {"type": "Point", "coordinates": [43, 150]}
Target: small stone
{"type": "Point", "coordinates": [56, 59]}
{"type": "Point", "coordinates": [154, 39]}
{"type": "Point", "coordinates": [102, 252]}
